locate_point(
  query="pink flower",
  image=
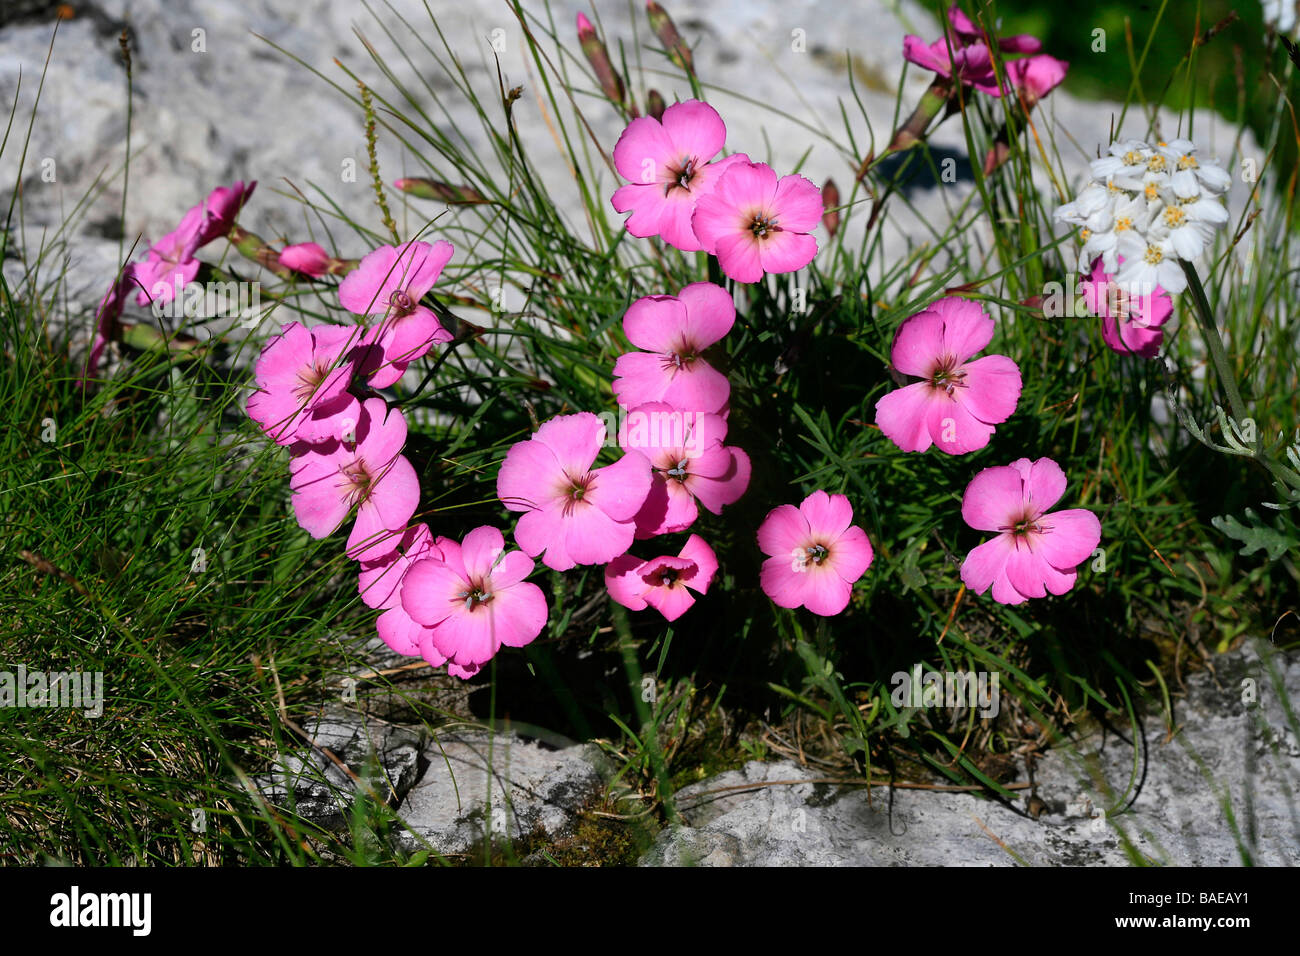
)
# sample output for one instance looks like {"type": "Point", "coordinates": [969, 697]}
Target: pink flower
{"type": "Point", "coordinates": [674, 331]}
{"type": "Point", "coordinates": [170, 264]}
{"type": "Point", "coordinates": [391, 284]}
{"type": "Point", "coordinates": [573, 512]}
{"type": "Point", "coordinates": [1034, 552]}
{"type": "Point", "coordinates": [380, 584]}
{"type": "Point", "coordinates": [755, 223]}
{"type": "Point", "coordinates": [667, 164]}
{"type": "Point", "coordinates": [689, 464]}
{"type": "Point", "coordinates": [475, 599]}
{"type": "Point", "coordinates": [816, 553]}
{"type": "Point", "coordinates": [107, 319]}
{"type": "Point", "coordinates": [969, 65]}
{"type": "Point", "coordinates": [221, 209]}
{"type": "Point", "coordinates": [967, 33]}
{"type": "Point", "coordinates": [663, 583]}
{"type": "Point", "coordinates": [958, 402]}
{"type": "Point", "coordinates": [305, 257]}
{"type": "Point", "coordinates": [1036, 76]}
{"type": "Point", "coordinates": [331, 479]}
{"type": "Point", "coordinates": [1130, 324]}
{"type": "Point", "coordinates": [302, 378]}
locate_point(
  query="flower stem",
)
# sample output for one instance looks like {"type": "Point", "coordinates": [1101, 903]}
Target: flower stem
{"type": "Point", "coordinates": [1205, 319]}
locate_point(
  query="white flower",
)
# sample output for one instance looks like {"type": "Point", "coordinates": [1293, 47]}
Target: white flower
{"type": "Point", "coordinates": [1188, 176]}
{"type": "Point", "coordinates": [1152, 206]}
{"type": "Point", "coordinates": [1128, 158]}
{"type": "Point", "coordinates": [1148, 262]}
{"type": "Point", "coordinates": [1128, 214]}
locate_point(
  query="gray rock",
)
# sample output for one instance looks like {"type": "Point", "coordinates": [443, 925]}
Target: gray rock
{"type": "Point", "coordinates": [386, 758]}
{"type": "Point", "coordinates": [531, 791]}
{"type": "Point", "coordinates": [1226, 756]}
{"type": "Point", "coordinates": [439, 784]}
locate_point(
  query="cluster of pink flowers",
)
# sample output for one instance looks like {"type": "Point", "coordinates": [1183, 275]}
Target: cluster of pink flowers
{"type": "Point", "coordinates": [964, 54]}
{"type": "Point", "coordinates": [453, 603]}
{"type": "Point", "coordinates": [754, 223]}
{"type": "Point", "coordinates": [739, 211]}
{"type": "Point", "coordinates": [955, 405]}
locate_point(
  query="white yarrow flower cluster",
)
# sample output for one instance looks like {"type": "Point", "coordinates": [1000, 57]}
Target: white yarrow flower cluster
{"type": "Point", "coordinates": [1146, 208]}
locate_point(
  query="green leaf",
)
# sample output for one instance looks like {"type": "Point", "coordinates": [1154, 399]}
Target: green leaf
{"type": "Point", "coordinates": [1256, 535]}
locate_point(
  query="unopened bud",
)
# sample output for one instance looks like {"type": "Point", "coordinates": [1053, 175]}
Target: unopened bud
{"type": "Point", "coordinates": [666, 30]}
{"type": "Point", "coordinates": [598, 56]}
{"type": "Point", "coordinates": [445, 192]}
{"type": "Point", "coordinates": [654, 104]}
{"type": "Point", "coordinates": [830, 205]}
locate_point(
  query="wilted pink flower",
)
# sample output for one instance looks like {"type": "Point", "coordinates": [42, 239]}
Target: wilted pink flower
{"type": "Point", "coordinates": [958, 402]}
{"type": "Point", "coordinates": [329, 480]}
{"type": "Point", "coordinates": [674, 330]}
{"type": "Point", "coordinates": [689, 463]}
{"type": "Point", "coordinates": [573, 512]}
{"type": "Point", "coordinates": [969, 65]}
{"type": "Point", "coordinates": [816, 553]}
{"type": "Point", "coordinates": [221, 209]}
{"type": "Point", "coordinates": [170, 264]}
{"type": "Point", "coordinates": [1036, 76]}
{"type": "Point", "coordinates": [664, 584]}
{"type": "Point", "coordinates": [967, 33]}
{"type": "Point", "coordinates": [302, 379]}
{"type": "Point", "coordinates": [305, 257]}
{"type": "Point", "coordinates": [391, 283]}
{"type": "Point", "coordinates": [667, 165]}
{"type": "Point", "coordinates": [475, 599]}
{"type": "Point", "coordinates": [755, 223]}
{"type": "Point", "coordinates": [107, 318]}
{"type": "Point", "coordinates": [1034, 552]}
{"type": "Point", "coordinates": [1130, 324]}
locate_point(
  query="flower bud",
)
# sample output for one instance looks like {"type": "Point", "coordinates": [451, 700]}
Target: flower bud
{"type": "Point", "coordinates": [598, 56]}
{"type": "Point", "coordinates": [666, 30]}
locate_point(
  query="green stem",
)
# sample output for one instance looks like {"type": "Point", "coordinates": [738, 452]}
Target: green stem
{"type": "Point", "coordinates": [1205, 319]}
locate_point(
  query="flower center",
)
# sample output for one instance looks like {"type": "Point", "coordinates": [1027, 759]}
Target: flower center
{"type": "Point", "coordinates": [1174, 216]}
{"type": "Point", "coordinates": [309, 379]}
{"type": "Point", "coordinates": [401, 303]}
{"type": "Point", "coordinates": [679, 470]}
{"type": "Point", "coordinates": [359, 482]}
{"type": "Point", "coordinates": [665, 577]}
{"type": "Point", "coordinates": [946, 376]}
{"type": "Point", "coordinates": [477, 594]}
{"type": "Point", "coordinates": [1132, 158]}
{"type": "Point", "coordinates": [1153, 256]}
{"type": "Point", "coordinates": [1027, 525]}
{"type": "Point", "coordinates": [1187, 162]}
{"type": "Point", "coordinates": [576, 492]}
{"type": "Point", "coordinates": [762, 226]}
{"type": "Point", "coordinates": [1151, 191]}
{"type": "Point", "coordinates": [1123, 223]}
{"type": "Point", "coordinates": [1156, 164]}
{"type": "Point", "coordinates": [681, 175]}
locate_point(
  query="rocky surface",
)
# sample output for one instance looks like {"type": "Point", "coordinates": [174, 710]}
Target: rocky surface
{"type": "Point", "coordinates": [215, 101]}
{"type": "Point", "coordinates": [447, 787]}
{"type": "Point", "coordinates": [1226, 757]}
